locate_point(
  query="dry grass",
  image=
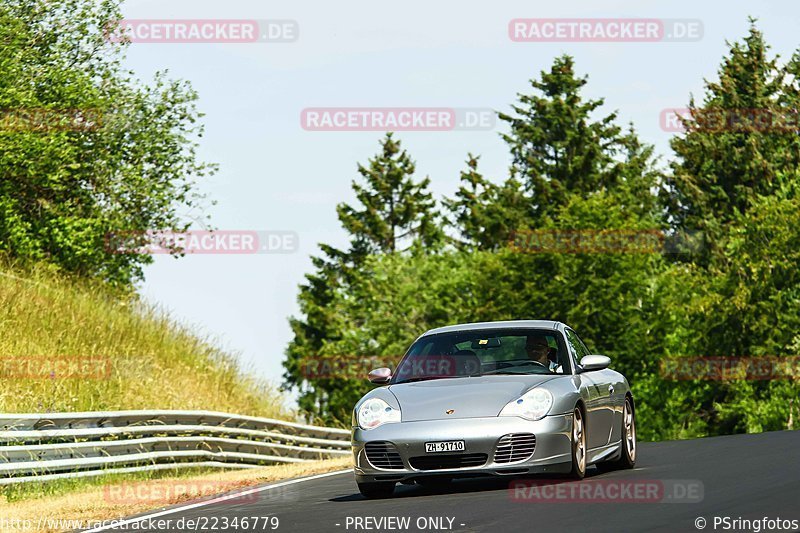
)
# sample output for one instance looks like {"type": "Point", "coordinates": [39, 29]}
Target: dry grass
{"type": "Point", "coordinates": [67, 345]}
{"type": "Point", "coordinates": [128, 497]}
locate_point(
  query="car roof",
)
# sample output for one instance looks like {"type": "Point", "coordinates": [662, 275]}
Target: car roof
{"type": "Point", "coordinates": [504, 324]}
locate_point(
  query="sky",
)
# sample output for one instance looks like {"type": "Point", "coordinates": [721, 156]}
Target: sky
{"type": "Point", "coordinates": [274, 175]}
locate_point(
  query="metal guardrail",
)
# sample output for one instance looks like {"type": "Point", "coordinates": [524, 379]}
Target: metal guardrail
{"type": "Point", "coordinates": [39, 447]}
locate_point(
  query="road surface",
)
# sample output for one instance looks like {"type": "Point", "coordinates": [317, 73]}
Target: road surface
{"type": "Point", "coordinates": [676, 486]}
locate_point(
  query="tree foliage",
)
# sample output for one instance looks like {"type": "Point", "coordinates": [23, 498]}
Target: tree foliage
{"type": "Point", "coordinates": [485, 215]}
{"type": "Point", "coordinates": [394, 209]}
{"type": "Point", "coordinates": [395, 216]}
{"type": "Point", "coordinates": [741, 141]}
{"type": "Point", "coordinates": [86, 150]}
{"type": "Point", "coordinates": [557, 146]}
{"type": "Point", "coordinates": [574, 169]}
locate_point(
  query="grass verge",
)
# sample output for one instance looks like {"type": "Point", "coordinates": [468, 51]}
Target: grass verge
{"type": "Point", "coordinates": [70, 345]}
{"type": "Point", "coordinates": [51, 508]}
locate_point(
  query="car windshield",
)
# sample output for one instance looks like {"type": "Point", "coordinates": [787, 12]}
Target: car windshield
{"type": "Point", "coordinates": [473, 353]}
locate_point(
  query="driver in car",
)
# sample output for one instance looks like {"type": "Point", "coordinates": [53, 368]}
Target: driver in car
{"type": "Point", "coordinates": [539, 350]}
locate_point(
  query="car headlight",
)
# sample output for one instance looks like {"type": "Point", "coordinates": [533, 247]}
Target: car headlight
{"type": "Point", "coordinates": [375, 412]}
{"type": "Point", "coordinates": [533, 405]}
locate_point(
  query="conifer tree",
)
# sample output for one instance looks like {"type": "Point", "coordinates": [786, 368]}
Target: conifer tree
{"type": "Point", "coordinates": [485, 214]}
{"type": "Point", "coordinates": [740, 141]}
{"type": "Point", "coordinates": [557, 146]}
{"type": "Point", "coordinates": [395, 212]}
{"type": "Point", "coordinates": [395, 215]}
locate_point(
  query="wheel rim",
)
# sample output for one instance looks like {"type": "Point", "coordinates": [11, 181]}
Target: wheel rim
{"type": "Point", "coordinates": [579, 441]}
{"type": "Point", "coordinates": [630, 431]}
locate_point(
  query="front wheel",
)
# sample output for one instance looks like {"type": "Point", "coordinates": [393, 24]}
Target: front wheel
{"type": "Point", "coordinates": [578, 445]}
{"type": "Point", "coordinates": [380, 489]}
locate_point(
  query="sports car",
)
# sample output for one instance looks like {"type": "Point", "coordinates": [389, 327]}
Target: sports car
{"type": "Point", "coordinates": [493, 398]}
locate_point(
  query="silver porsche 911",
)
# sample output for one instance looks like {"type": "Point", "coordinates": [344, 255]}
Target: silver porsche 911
{"type": "Point", "coordinates": [496, 398]}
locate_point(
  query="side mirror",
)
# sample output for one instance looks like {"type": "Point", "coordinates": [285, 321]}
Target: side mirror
{"type": "Point", "coordinates": [594, 362]}
{"type": "Point", "coordinates": [380, 375]}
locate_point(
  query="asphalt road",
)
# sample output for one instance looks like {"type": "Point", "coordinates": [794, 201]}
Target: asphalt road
{"type": "Point", "coordinates": [746, 477]}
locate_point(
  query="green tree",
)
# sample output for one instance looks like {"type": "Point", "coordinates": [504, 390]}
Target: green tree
{"type": "Point", "coordinates": [758, 311]}
{"type": "Point", "coordinates": [395, 216]}
{"type": "Point", "coordinates": [744, 304]}
{"type": "Point", "coordinates": [484, 214]}
{"type": "Point", "coordinates": [395, 212]}
{"type": "Point", "coordinates": [86, 150]}
{"type": "Point", "coordinates": [740, 141]}
{"type": "Point", "coordinates": [557, 147]}
{"type": "Point", "coordinates": [735, 177]}
{"type": "Point", "coordinates": [559, 150]}
{"type": "Point", "coordinates": [642, 309]}
{"type": "Point", "coordinates": [394, 298]}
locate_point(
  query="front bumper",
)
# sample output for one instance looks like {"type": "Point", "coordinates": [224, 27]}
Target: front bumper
{"type": "Point", "coordinates": [552, 453]}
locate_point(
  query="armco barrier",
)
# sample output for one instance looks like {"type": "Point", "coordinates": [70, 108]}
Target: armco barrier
{"type": "Point", "coordinates": [39, 447]}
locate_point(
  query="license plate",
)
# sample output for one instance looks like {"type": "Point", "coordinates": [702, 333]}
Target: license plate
{"type": "Point", "coordinates": [444, 446]}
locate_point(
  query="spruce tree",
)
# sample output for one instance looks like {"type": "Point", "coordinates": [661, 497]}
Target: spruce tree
{"type": "Point", "coordinates": [395, 212]}
{"type": "Point", "coordinates": [560, 152]}
{"type": "Point", "coordinates": [742, 140]}
{"type": "Point", "coordinates": [557, 147]}
{"type": "Point", "coordinates": [484, 214]}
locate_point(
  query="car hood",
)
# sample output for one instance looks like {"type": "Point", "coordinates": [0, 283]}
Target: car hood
{"type": "Point", "coordinates": [468, 397]}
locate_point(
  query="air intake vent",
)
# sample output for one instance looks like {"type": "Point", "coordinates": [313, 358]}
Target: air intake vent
{"type": "Point", "coordinates": [384, 455]}
{"type": "Point", "coordinates": [515, 447]}
{"type": "Point", "coordinates": [446, 462]}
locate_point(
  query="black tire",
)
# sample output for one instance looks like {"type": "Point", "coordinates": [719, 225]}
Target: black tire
{"type": "Point", "coordinates": [375, 490]}
{"type": "Point", "coordinates": [578, 444]}
{"type": "Point", "coordinates": [627, 459]}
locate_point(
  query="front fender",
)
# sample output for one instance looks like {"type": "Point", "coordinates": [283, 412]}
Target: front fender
{"type": "Point", "coordinates": [566, 391]}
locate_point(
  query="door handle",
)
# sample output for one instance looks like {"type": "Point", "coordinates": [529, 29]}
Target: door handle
{"type": "Point", "coordinates": [611, 389]}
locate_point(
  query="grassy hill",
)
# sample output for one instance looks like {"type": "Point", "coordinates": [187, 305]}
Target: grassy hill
{"type": "Point", "coordinates": [67, 345]}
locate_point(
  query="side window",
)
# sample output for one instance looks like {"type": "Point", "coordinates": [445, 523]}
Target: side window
{"type": "Point", "coordinates": [582, 345]}
{"type": "Point", "coordinates": [576, 345]}
{"type": "Point", "coordinates": [571, 348]}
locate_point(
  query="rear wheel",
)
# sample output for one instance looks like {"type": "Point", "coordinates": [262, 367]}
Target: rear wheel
{"type": "Point", "coordinates": [578, 445]}
{"type": "Point", "coordinates": [628, 453]}
{"type": "Point", "coordinates": [380, 489]}
{"type": "Point", "coordinates": [627, 458]}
